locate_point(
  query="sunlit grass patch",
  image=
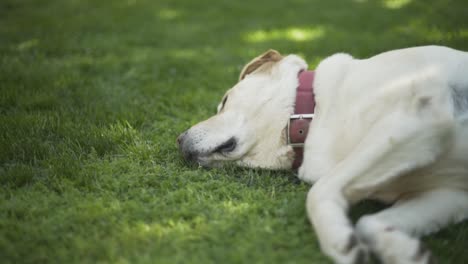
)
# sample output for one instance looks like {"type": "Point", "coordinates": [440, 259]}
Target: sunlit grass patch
{"type": "Point", "coordinates": [396, 4]}
{"type": "Point", "coordinates": [293, 34]}
{"type": "Point", "coordinates": [28, 44]}
{"type": "Point", "coordinates": [168, 13]}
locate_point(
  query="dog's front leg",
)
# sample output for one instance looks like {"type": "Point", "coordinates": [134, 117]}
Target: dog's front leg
{"type": "Point", "coordinates": [327, 210]}
{"type": "Point", "coordinates": [385, 152]}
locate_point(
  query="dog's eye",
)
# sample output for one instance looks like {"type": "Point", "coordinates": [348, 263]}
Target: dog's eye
{"type": "Point", "coordinates": [227, 146]}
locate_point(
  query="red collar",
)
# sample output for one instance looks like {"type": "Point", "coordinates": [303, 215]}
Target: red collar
{"type": "Point", "coordinates": [298, 124]}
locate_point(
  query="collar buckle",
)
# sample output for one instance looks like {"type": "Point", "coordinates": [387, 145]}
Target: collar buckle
{"type": "Point", "coordinates": [288, 132]}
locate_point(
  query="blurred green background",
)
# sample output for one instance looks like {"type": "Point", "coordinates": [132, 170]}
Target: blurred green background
{"type": "Point", "coordinates": [94, 93]}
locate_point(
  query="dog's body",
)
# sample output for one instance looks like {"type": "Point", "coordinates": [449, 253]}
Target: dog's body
{"type": "Point", "coordinates": [393, 127]}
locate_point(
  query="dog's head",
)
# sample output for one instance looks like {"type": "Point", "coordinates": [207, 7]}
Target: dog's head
{"type": "Point", "coordinates": [249, 126]}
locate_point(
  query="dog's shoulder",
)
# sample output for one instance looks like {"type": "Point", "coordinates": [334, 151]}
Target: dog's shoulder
{"type": "Point", "coordinates": [330, 73]}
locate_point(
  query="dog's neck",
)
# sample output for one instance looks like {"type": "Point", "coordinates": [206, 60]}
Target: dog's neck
{"type": "Point", "coordinates": [298, 124]}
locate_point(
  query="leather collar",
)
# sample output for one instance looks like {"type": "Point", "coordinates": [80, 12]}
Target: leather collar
{"type": "Point", "coordinates": [298, 124]}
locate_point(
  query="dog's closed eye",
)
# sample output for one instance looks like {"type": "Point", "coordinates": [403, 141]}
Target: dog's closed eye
{"type": "Point", "coordinates": [224, 101]}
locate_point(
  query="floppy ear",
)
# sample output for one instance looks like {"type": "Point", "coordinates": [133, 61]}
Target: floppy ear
{"type": "Point", "coordinates": [269, 56]}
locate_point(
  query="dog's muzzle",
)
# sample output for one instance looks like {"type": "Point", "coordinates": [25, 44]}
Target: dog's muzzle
{"type": "Point", "coordinates": [191, 153]}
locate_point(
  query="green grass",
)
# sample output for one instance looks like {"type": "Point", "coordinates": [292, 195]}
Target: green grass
{"type": "Point", "coordinates": [94, 93]}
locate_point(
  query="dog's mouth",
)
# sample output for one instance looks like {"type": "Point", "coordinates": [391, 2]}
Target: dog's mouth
{"type": "Point", "coordinates": [227, 147]}
{"type": "Point", "coordinates": [207, 162]}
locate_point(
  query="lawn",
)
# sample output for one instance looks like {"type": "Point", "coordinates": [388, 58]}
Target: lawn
{"type": "Point", "coordinates": [94, 93]}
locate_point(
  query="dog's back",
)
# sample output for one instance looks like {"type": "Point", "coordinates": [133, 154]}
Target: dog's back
{"type": "Point", "coordinates": [424, 81]}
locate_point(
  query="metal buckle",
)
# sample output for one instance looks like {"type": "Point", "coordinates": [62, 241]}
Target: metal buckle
{"type": "Point", "coordinates": [288, 136]}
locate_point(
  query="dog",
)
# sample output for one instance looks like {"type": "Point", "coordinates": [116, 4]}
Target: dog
{"type": "Point", "coordinates": [392, 127]}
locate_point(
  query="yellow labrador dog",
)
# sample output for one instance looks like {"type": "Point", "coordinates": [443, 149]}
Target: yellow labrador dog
{"type": "Point", "coordinates": [393, 127]}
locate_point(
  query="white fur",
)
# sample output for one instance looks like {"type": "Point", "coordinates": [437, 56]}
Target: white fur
{"type": "Point", "coordinates": [393, 127]}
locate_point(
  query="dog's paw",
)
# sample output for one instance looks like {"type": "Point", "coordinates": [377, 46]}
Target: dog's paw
{"type": "Point", "coordinates": [404, 250]}
{"type": "Point", "coordinates": [391, 245]}
{"type": "Point", "coordinates": [423, 255]}
{"type": "Point", "coordinates": [352, 251]}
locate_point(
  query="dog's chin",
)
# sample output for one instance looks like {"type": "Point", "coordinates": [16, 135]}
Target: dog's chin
{"type": "Point", "coordinates": [214, 162]}
{"type": "Point", "coordinates": [209, 163]}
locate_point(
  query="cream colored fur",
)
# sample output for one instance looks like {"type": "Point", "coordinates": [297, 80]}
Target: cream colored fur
{"type": "Point", "coordinates": [393, 127]}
